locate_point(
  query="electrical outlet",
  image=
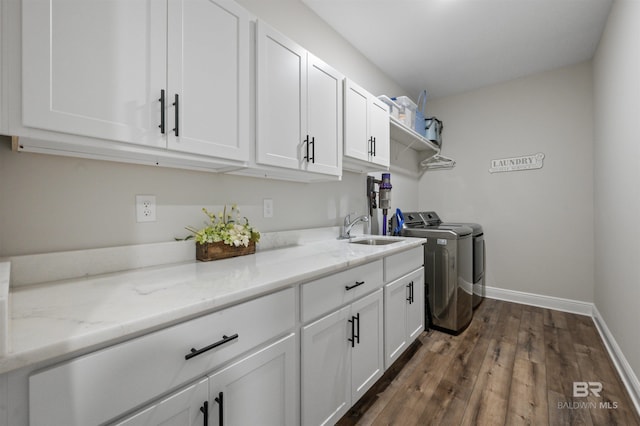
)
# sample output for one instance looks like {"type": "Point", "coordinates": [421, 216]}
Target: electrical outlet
{"type": "Point", "coordinates": [146, 208]}
{"type": "Point", "coordinates": [267, 207]}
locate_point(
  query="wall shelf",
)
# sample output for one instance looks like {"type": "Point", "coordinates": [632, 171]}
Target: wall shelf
{"type": "Point", "coordinates": [429, 153]}
{"type": "Point", "coordinates": [411, 139]}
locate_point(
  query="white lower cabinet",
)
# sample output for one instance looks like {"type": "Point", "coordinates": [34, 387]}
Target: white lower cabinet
{"type": "Point", "coordinates": [257, 390]}
{"type": "Point", "coordinates": [104, 385]}
{"type": "Point", "coordinates": [326, 381]}
{"type": "Point", "coordinates": [227, 368]}
{"type": "Point", "coordinates": [367, 363]}
{"type": "Point", "coordinates": [404, 306]}
{"type": "Point", "coordinates": [342, 356]}
{"type": "Point", "coordinates": [183, 408]}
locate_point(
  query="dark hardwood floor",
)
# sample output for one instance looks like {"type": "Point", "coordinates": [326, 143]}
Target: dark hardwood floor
{"type": "Point", "coordinates": [514, 365]}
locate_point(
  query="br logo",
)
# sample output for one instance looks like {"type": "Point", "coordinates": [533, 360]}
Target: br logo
{"type": "Point", "coordinates": [582, 389]}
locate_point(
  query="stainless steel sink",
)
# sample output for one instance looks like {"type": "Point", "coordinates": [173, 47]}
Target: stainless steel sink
{"type": "Point", "coordinates": [375, 241]}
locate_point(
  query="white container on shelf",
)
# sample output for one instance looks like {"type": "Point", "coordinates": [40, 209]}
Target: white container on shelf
{"type": "Point", "coordinates": [408, 109]}
{"type": "Point", "coordinates": [394, 108]}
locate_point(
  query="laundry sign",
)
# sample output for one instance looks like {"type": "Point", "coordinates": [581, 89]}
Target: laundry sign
{"type": "Point", "coordinates": [525, 162]}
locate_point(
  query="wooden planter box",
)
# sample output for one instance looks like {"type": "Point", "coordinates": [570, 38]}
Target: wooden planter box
{"type": "Point", "coordinates": [220, 250]}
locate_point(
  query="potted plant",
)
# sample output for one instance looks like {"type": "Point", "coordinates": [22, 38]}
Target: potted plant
{"type": "Point", "coordinates": [225, 235]}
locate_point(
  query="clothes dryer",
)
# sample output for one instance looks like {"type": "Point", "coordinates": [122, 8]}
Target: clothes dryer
{"type": "Point", "coordinates": [479, 261]}
{"type": "Point", "coordinates": [448, 271]}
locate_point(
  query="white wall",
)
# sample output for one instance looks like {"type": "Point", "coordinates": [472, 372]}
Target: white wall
{"type": "Point", "coordinates": [617, 199]}
{"type": "Point", "coordinates": [50, 203]}
{"type": "Point", "coordinates": [294, 19]}
{"type": "Point", "coordinates": [538, 224]}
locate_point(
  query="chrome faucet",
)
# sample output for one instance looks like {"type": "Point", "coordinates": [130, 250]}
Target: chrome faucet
{"type": "Point", "coordinates": [348, 224]}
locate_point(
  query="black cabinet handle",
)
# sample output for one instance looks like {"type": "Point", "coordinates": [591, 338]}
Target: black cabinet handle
{"type": "Point", "coordinates": [176, 104]}
{"type": "Point", "coordinates": [205, 411]}
{"type": "Point", "coordinates": [313, 149]}
{"type": "Point", "coordinates": [353, 332]}
{"type": "Point", "coordinates": [161, 111]}
{"type": "Point", "coordinates": [410, 287]}
{"type": "Point", "coordinates": [306, 145]}
{"type": "Point", "coordinates": [219, 400]}
{"type": "Point", "coordinates": [310, 144]}
{"type": "Point", "coordinates": [374, 146]}
{"type": "Point", "coordinates": [196, 352]}
{"type": "Point", "coordinates": [357, 284]}
{"type": "Point", "coordinates": [371, 145]}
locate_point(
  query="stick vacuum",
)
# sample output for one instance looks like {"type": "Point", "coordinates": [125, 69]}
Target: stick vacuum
{"type": "Point", "coordinates": [384, 201]}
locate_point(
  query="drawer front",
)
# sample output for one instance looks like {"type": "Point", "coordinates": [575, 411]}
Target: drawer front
{"type": "Point", "coordinates": [401, 264]}
{"type": "Point", "coordinates": [99, 386]}
{"type": "Point", "coordinates": [329, 293]}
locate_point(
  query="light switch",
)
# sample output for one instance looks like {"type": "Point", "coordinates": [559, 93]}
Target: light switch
{"type": "Point", "coordinates": [267, 207]}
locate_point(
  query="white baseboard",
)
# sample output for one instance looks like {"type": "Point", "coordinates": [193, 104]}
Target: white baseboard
{"type": "Point", "coordinates": [556, 303]}
{"type": "Point", "coordinates": [627, 374]}
{"type": "Point", "coordinates": [621, 364]}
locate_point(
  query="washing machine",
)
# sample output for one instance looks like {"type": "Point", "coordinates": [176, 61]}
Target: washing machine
{"type": "Point", "coordinates": [479, 253]}
{"type": "Point", "coordinates": [448, 270]}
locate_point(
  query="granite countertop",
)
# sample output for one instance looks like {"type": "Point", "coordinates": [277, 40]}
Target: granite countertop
{"type": "Point", "coordinates": [57, 319]}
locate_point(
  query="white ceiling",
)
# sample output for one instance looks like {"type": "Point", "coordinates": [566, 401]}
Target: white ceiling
{"type": "Point", "coordinates": [451, 46]}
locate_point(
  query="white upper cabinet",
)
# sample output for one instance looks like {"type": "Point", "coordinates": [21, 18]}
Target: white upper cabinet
{"type": "Point", "coordinates": [324, 117]}
{"type": "Point", "coordinates": [281, 97]}
{"type": "Point", "coordinates": [357, 143]}
{"type": "Point", "coordinates": [366, 130]}
{"type": "Point", "coordinates": [379, 126]}
{"type": "Point", "coordinates": [209, 73]}
{"type": "Point", "coordinates": [299, 107]}
{"type": "Point", "coordinates": [105, 69]}
{"type": "Point", "coordinates": [94, 68]}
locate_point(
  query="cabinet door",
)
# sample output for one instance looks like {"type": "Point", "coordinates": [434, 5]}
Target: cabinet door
{"type": "Point", "coordinates": [209, 73]}
{"type": "Point", "coordinates": [404, 306]}
{"type": "Point", "coordinates": [415, 309]}
{"type": "Point", "coordinates": [281, 99]}
{"type": "Point", "coordinates": [3, 121]}
{"type": "Point", "coordinates": [367, 360]}
{"type": "Point", "coordinates": [95, 68]}
{"type": "Point", "coordinates": [325, 369]}
{"type": "Point", "coordinates": [379, 127]}
{"type": "Point", "coordinates": [395, 323]}
{"type": "Point", "coordinates": [257, 390]}
{"type": "Point", "coordinates": [182, 408]}
{"type": "Point", "coordinates": [324, 117]}
{"type": "Point", "coordinates": [356, 124]}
